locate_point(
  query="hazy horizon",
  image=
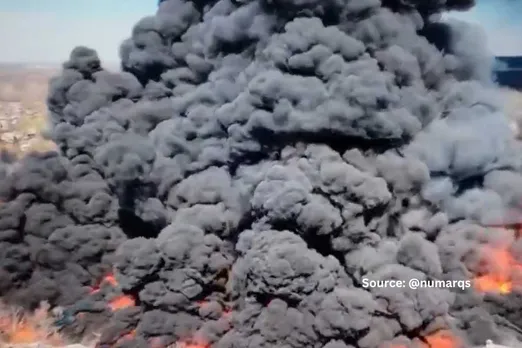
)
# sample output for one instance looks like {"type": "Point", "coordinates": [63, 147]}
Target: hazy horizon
{"type": "Point", "coordinates": [44, 33]}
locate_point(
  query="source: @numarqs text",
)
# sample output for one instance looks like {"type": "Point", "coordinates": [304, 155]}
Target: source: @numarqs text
{"type": "Point", "coordinates": [415, 284]}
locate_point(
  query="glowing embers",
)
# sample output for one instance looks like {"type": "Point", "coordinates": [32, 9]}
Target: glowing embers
{"type": "Point", "coordinates": [503, 272]}
{"type": "Point", "coordinates": [17, 327]}
{"type": "Point", "coordinates": [121, 302]}
{"type": "Point", "coordinates": [439, 339]}
{"type": "Point", "coordinates": [443, 339]}
{"type": "Point", "coordinates": [116, 302]}
{"type": "Point", "coordinates": [191, 344]}
{"type": "Point", "coordinates": [108, 279]}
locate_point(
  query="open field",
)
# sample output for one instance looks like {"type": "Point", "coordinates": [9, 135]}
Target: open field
{"type": "Point", "coordinates": [22, 107]}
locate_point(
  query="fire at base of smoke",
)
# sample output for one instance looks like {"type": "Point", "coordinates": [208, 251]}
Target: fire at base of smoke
{"type": "Point", "coordinates": [253, 163]}
{"type": "Point", "coordinates": [19, 328]}
{"type": "Point", "coordinates": [41, 329]}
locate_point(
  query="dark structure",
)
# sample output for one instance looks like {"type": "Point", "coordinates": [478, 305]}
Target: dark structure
{"type": "Point", "coordinates": [508, 72]}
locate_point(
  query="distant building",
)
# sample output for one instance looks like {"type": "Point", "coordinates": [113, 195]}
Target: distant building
{"type": "Point", "coordinates": [508, 71]}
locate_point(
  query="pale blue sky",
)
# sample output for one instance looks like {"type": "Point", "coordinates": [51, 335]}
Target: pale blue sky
{"type": "Point", "coordinates": [502, 21]}
{"type": "Point", "coordinates": [46, 30]}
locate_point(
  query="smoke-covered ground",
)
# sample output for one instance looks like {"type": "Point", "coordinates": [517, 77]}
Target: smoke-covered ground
{"type": "Point", "coordinates": [254, 162]}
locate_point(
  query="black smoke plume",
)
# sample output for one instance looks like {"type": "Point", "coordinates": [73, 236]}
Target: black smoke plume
{"type": "Point", "coordinates": [254, 162]}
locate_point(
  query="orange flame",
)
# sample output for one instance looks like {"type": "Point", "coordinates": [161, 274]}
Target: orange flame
{"type": "Point", "coordinates": [20, 332]}
{"type": "Point", "coordinates": [111, 280]}
{"type": "Point", "coordinates": [500, 278]}
{"type": "Point", "coordinates": [443, 339]}
{"type": "Point", "coordinates": [108, 279]}
{"type": "Point", "coordinates": [186, 344]}
{"type": "Point", "coordinates": [440, 339]}
{"type": "Point", "coordinates": [27, 328]}
{"type": "Point", "coordinates": [121, 302]}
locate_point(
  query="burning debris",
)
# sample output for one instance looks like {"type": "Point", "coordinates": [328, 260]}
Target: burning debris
{"type": "Point", "coordinates": [253, 163]}
{"type": "Point", "coordinates": [19, 329]}
{"type": "Point", "coordinates": [117, 302]}
{"type": "Point", "coordinates": [502, 277]}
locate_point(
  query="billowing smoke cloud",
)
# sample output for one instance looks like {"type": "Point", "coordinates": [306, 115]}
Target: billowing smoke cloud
{"type": "Point", "coordinates": [254, 163]}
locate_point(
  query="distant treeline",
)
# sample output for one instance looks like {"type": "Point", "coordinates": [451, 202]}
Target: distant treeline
{"type": "Point", "coordinates": [508, 71]}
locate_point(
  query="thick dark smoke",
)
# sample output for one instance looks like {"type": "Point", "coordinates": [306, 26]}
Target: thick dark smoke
{"type": "Point", "coordinates": [254, 162]}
